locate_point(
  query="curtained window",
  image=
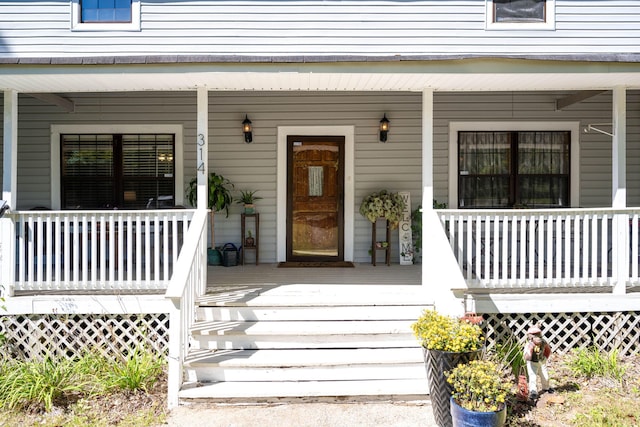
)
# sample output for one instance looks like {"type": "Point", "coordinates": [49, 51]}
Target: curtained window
{"type": "Point", "coordinates": [513, 169]}
{"type": "Point", "coordinates": [519, 11]}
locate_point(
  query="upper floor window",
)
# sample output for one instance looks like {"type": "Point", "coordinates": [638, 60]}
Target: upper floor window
{"type": "Point", "coordinates": [109, 15]}
{"type": "Point", "coordinates": [520, 14]}
{"type": "Point", "coordinates": [105, 10]}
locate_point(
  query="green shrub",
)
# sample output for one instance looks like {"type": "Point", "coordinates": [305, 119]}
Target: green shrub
{"type": "Point", "coordinates": [139, 370]}
{"type": "Point", "coordinates": [593, 363]}
{"type": "Point", "coordinates": [44, 383]}
{"type": "Point", "coordinates": [510, 353]}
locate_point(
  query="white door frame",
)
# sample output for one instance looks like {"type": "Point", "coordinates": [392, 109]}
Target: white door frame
{"type": "Point", "coordinates": [349, 183]}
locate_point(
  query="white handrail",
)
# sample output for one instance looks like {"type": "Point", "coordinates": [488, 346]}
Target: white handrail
{"type": "Point", "coordinates": [548, 248]}
{"type": "Point", "coordinates": [89, 250]}
{"type": "Point", "coordinates": [187, 284]}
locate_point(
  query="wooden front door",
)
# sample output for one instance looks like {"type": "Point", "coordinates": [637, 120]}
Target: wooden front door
{"type": "Point", "coordinates": [315, 192]}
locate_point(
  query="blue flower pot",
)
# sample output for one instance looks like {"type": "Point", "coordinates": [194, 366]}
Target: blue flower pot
{"type": "Point", "coordinates": [437, 363]}
{"type": "Point", "coordinates": [462, 417]}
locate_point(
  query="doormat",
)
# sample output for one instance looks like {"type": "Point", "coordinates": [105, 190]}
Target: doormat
{"type": "Point", "coordinates": [314, 264]}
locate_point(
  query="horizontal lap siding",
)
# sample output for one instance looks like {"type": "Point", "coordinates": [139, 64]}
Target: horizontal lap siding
{"type": "Point", "coordinates": [289, 28]}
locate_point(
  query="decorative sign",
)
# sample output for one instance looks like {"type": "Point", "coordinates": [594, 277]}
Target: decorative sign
{"type": "Point", "coordinates": [404, 227]}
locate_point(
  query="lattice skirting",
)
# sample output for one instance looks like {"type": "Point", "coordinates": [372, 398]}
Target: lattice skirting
{"type": "Point", "coordinates": [33, 337]}
{"type": "Point", "coordinates": [567, 331]}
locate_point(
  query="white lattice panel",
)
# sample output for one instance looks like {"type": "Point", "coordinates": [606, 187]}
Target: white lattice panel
{"type": "Point", "coordinates": [36, 336]}
{"type": "Point", "coordinates": [567, 331]}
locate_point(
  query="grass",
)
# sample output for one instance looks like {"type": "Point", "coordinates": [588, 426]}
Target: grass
{"type": "Point", "coordinates": [87, 391]}
{"type": "Point", "coordinates": [138, 371]}
{"type": "Point", "coordinates": [594, 363]}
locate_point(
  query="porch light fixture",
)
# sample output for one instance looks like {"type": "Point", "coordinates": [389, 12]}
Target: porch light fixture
{"type": "Point", "coordinates": [246, 129]}
{"type": "Point", "coordinates": [384, 128]}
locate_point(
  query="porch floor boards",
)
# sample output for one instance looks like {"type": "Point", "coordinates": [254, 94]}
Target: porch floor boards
{"type": "Point", "coordinates": [271, 274]}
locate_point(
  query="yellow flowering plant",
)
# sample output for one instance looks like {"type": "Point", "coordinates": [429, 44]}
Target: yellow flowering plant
{"type": "Point", "coordinates": [479, 386]}
{"type": "Point", "coordinates": [439, 332]}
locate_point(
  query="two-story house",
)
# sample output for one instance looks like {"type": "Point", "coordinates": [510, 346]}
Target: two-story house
{"type": "Point", "coordinates": [521, 116]}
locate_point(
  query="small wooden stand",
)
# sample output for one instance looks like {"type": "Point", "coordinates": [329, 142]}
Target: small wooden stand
{"type": "Point", "coordinates": [386, 249]}
{"type": "Point", "coordinates": [256, 219]}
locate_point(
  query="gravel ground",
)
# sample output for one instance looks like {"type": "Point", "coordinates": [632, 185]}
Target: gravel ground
{"type": "Point", "coordinates": [298, 413]}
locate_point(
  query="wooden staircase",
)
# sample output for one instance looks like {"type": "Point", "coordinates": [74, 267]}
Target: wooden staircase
{"type": "Point", "coordinates": [254, 342]}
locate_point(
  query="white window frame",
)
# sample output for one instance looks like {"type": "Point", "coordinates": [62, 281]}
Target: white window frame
{"type": "Point", "coordinates": [549, 24]}
{"type": "Point", "coordinates": [574, 161]}
{"type": "Point", "coordinates": [78, 25]}
{"type": "Point", "coordinates": [57, 130]}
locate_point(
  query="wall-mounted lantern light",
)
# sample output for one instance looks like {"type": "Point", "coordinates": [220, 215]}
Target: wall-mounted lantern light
{"type": "Point", "coordinates": [246, 129]}
{"type": "Point", "coordinates": [384, 128]}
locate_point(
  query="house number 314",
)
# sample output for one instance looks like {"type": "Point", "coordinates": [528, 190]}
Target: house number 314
{"type": "Point", "coordinates": [200, 142]}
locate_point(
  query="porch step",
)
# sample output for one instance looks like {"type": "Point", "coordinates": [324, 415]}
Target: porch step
{"type": "Point", "coordinates": [259, 390]}
{"type": "Point", "coordinates": [306, 341]}
{"type": "Point", "coordinates": [232, 335]}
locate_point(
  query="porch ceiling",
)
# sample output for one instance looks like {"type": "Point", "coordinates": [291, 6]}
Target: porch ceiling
{"type": "Point", "coordinates": [469, 75]}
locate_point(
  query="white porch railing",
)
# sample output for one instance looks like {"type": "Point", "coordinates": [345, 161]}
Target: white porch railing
{"type": "Point", "coordinates": [545, 248]}
{"type": "Point", "coordinates": [188, 283]}
{"type": "Point", "coordinates": [91, 250]}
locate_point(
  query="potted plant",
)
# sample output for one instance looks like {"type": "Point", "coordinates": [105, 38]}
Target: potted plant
{"type": "Point", "coordinates": [383, 204]}
{"type": "Point", "coordinates": [249, 241]}
{"type": "Point", "coordinates": [447, 342]}
{"type": "Point", "coordinates": [218, 199]}
{"type": "Point", "coordinates": [248, 198]}
{"type": "Point", "coordinates": [479, 394]}
{"type": "Point", "coordinates": [416, 227]}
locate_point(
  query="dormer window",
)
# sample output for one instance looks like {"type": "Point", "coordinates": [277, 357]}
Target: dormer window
{"type": "Point", "coordinates": [105, 15]}
{"type": "Point", "coordinates": [521, 14]}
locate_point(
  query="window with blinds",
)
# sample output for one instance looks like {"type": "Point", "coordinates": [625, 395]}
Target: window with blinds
{"type": "Point", "coordinates": [127, 171]}
{"type": "Point", "coordinates": [513, 169]}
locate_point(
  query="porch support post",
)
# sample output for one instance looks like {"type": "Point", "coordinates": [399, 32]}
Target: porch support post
{"type": "Point", "coordinates": [440, 271]}
{"type": "Point", "coordinates": [202, 147]}
{"type": "Point", "coordinates": [619, 187]}
{"type": "Point", "coordinates": [9, 191]}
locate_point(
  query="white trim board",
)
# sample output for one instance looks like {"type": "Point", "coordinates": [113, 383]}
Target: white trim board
{"type": "Point", "coordinates": [573, 127]}
{"type": "Point", "coordinates": [57, 130]}
{"type": "Point", "coordinates": [349, 183]}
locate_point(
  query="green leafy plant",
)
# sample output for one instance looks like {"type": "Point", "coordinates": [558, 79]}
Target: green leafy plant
{"type": "Point", "coordinates": [439, 332]}
{"type": "Point", "coordinates": [41, 383]}
{"type": "Point", "coordinates": [138, 371]}
{"type": "Point", "coordinates": [248, 197]}
{"type": "Point", "coordinates": [592, 362]}
{"type": "Point", "coordinates": [219, 196]}
{"type": "Point", "coordinates": [416, 227]}
{"type": "Point", "coordinates": [383, 204]}
{"type": "Point", "coordinates": [479, 385]}
{"type": "Point", "coordinates": [510, 353]}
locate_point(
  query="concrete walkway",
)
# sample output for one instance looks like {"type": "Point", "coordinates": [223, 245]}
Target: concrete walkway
{"type": "Point", "coordinates": [330, 412]}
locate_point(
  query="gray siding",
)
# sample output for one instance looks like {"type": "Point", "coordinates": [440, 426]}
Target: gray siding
{"type": "Point", "coordinates": [290, 28]}
{"type": "Point", "coordinates": [395, 165]}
